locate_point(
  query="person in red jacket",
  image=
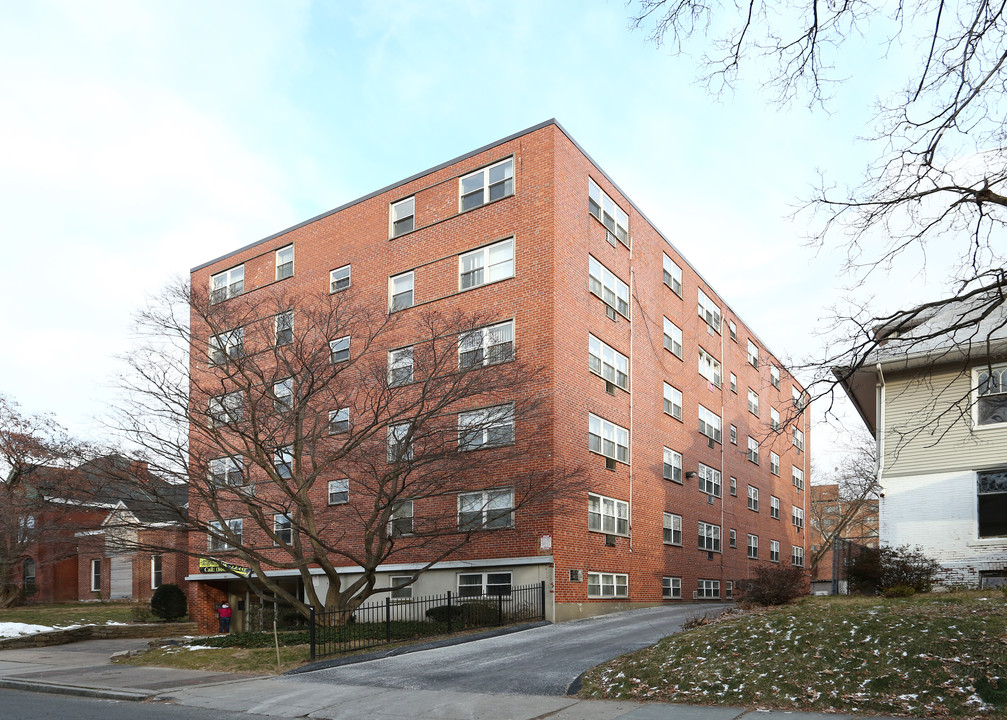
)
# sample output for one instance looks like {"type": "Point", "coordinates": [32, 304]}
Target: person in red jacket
{"type": "Point", "coordinates": [224, 615]}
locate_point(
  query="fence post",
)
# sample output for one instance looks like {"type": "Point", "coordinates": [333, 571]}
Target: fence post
{"type": "Point", "coordinates": [311, 632]}
{"type": "Point", "coordinates": [499, 609]}
{"type": "Point", "coordinates": [541, 597]}
{"type": "Point", "coordinates": [449, 611]}
{"type": "Point", "coordinates": [388, 618]}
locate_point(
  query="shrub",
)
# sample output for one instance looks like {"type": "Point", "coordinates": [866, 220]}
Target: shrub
{"type": "Point", "coordinates": [484, 612]}
{"type": "Point", "coordinates": [775, 585]}
{"type": "Point", "coordinates": [876, 571]}
{"type": "Point", "coordinates": [169, 602]}
{"type": "Point", "coordinates": [141, 613]}
{"type": "Point", "coordinates": [899, 591]}
{"type": "Point", "coordinates": [442, 613]}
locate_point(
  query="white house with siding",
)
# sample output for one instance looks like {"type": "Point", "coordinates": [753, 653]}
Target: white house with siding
{"type": "Point", "coordinates": [934, 393]}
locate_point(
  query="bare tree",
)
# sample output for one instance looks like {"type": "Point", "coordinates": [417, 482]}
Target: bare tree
{"type": "Point", "coordinates": [308, 446]}
{"type": "Point", "coordinates": [841, 500]}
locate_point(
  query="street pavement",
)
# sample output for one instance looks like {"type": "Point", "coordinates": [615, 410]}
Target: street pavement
{"type": "Point", "coordinates": [474, 689]}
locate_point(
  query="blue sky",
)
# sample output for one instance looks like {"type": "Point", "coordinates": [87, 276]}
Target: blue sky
{"type": "Point", "coordinates": [140, 139]}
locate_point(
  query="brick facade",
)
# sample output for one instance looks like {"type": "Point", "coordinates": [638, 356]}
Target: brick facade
{"type": "Point", "coordinates": [553, 312]}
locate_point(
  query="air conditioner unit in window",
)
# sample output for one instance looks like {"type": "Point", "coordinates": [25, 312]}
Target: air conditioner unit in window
{"type": "Point", "coordinates": [576, 576]}
{"type": "Point", "coordinates": [610, 387]}
{"type": "Point", "coordinates": [609, 540]}
{"type": "Point", "coordinates": [610, 311]}
{"type": "Point", "coordinates": [711, 442]}
{"type": "Point", "coordinates": [709, 555]}
{"type": "Point", "coordinates": [709, 499]}
{"type": "Point", "coordinates": [610, 237]}
{"type": "Point", "coordinates": [695, 594]}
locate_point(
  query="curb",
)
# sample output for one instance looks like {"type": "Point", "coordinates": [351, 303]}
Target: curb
{"type": "Point", "coordinates": [78, 691]}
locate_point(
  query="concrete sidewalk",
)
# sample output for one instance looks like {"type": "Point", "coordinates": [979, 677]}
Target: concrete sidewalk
{"type": "Point", "coordinates": [84, 669]}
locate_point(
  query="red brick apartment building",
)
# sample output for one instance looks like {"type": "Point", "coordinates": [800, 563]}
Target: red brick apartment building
{"type": "Point", "coordinates": [692, 434]}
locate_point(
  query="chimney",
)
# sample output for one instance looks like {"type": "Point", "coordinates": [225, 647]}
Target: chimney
{"type": "Point", "coordinates": [139, 470]}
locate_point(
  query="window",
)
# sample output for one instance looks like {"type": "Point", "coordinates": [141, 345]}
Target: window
{"type": "Point", "coordinates": [402, 587]}
{"type": "Point", "coordinates": [283, 395]}
{"type": "Point", "coordinates": [797, 516]}
{"type": "Point", "coordinates": [753, 354]}
{"type": "Point", "coordinates": [284, 328]}
{"type": "Point", "coordinates": [339, 279]}
{"type": "Point", "coordinates": [400, 520]}
{"type": "Point", "coordinates": [797, 556]}
{"type": "Point", "coordinates": [672, 465]}
{"type": "Point", "coordinates": [486, 265]}
{"type": "Point", "coordinates": [709, 537]}
{"type": "Point", "coordinates": [607, 515]}
{"type": "Point", "coordinates": [797, 475]}
{"type": "Point", "coordinates": [709, 367]}
{"type": "Point", "coordinates": [605, 585]}
{"type": "Point", "coordinates": [486, 346]}
{"type": "Point", "coordinates": [283, 461]}
{"type": "Point", "coordinates": [672, 275]}
{"type": "Point", "coordinates": [709, 311]}
{"type": "Point", "coordinates": [774, 376]}
{"type": "Point", "coordinates": [709, 480]}
{"type": "Point", "coordinates": [733, 329]}
{"type": "Point", "coordinates": [490, 583]}
{"type": "Point", "coordinates": [671, 588]}
{"type": "Point", "coordinates": [992, 497]}
{"type": "Point", "coordinates": [486, 185]}
{"type": "Point", "coordinates": [774, 551]}
{"type": "Point", "coordinates": [400, 290]}
{"type": "Point", "coordinates": [282, 529]}
{"type": "Point", "coordinates": [673, 338]}
{"type": "Point", "coordinates": [732, 538]}
{"type": "Point", "coordinates": [753, 498]}
{"type": "Point", "coordinates": [218, 530]}
{"type": "Point", "coordinates": [774, 463]}
{"type": "Point", "coordinates": [156, 574]}
{"type": "Point", "coordinates": [798, 440]}
{"type": "Point", "coordinates": [227, 284]}
{"type": "Point", "coordinates": [708, 589]}
{"type": "Point", "coordinates": [486, 510]}
{"type": "Point", "coordinates": [728, 589]}
{"type": "Point", "coordinates": [400, 367]}
{"type": "Point", "coordinates": [285, 262]}
{"type": "Point", "coordinates": [339, 349]}
{"type": "Point", "coordinates": [774, 419]}
{"type": "Point", "coordinates": [672, 529]}
{"type": "Point", "coordinates": [774, 507]}
{"type": "Point", "coordinates": [603, 283]}
{"type": "Point", "coordinates": [400, 445]}
{"type": "Point", "coordinates": [709, 424]}
{"type": "Point", "coordinates": [607, 212]}
{"type": "Point", "coordinates": [608, 439]}
{"type": "Point", "coordinates": [339, 421]}
{"type": "Point", "coordinates": [28, 576]}
{"type": "Point", "coordinates": [607, 362]}
{"type": "Point", "coordinates": [96, 575]}
{"type": "Point", "coordinates": [734, 435]}
{"type": "Point", "coordinates": [734, 383]}
{"type": "Point", "coordinates": [402, 216]}
{"type": "Point", "coordinates": [753, 547]}
{"type": "Point", "coordinates": [753, 450]}
{"type": "Point", "coordinates": [226, 471]}
{"type": "Point", "coordinates": [339, 492]}
{"type": "Point", "coordinates": [753, 402]}
{"type": "Point", "coordinates": [673, 401]}
{"type": "Point", "coordinates": [227, 409]}
{"type": "Point", "coordinates": [734, 487]}
{"type": "Point", "coordinates": [487, 427]}
{"type": "Point", "coordinates": [797, 397]}
{"type": "Point", "coordinates": [227, 346]}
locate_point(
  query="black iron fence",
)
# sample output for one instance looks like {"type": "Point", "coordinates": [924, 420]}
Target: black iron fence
{"type": "Point", "coordinates": [397, 619]}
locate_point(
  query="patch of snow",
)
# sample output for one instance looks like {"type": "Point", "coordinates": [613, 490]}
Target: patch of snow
{"type": "Point", "coordinates": [13, 629]}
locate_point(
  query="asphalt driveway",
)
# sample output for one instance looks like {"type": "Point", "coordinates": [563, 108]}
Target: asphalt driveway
{"type": "Point", "coordinates": [540, 661]}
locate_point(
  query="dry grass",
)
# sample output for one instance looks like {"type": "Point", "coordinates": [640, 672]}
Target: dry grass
{"type": "Point", "coordinates": [69, 613]}
{"type": "Point", "coordinates": [238, 660]}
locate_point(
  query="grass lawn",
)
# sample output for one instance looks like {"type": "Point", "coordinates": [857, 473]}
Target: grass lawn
{"type": "Point", "coordinates": [231, 659]}
{"type": "Point", "coordinates": [940, 655]}
{"type": "Point", "coordinates": [69, 613]}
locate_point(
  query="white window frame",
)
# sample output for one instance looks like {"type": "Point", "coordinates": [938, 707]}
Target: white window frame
{"type": "Point", "coordinates": [709, 480]}
{"type": "Point", "coordinates": [227, 346]}
{"type": "Point", "coordinates": [734, 487]}
{"type": "Point", "coordinates": [226, 409]}
{"type": "Point", "coordinates": [774, 463]}
{"type": "Point", "coordinates": [753, 354]}
{"type": "Point", "coordinates": [709, 311]}
{"type": "Point", "coordinates": [483, 345]}
{"type": "Point", "coordinates": [607, 363]}
{"type": "Point", "coordinates": [733, 330]}
{"type": "Point", "coordinates": [607, 585]}
{"type": "Point", "coordinates": [753, 547]}
{"type": "Point", "coordinates": [400, 518]}
{"type": "Point", "coordinates": [399, 286]}
{"type": "Point", "coordinates": [486, 427]}
{"type": "Point", "coordinates": [732, 538]}
{"type": "Point", "coordinates": [607, 515]}
{"type": "Point", "coordinates": [401, 587]}
{"type": "Point", "coordinates": [484, 185]}
{"type": "Point", "coordinates": [283, 328]}
{"type": "Point", "coordinates": [671, 588]}
{"type": "Point", "coordinates": [774, 551]}
{"type": "Point", "coordinates": [282, 263]}
{"type": "Point", "coordinates": [774, 418]}
{"type": "Point", "coordinates": [227, 284]}
{"type": "Point", "coordinates": [337, 348]}
{"type": "Point", "coordinates": [602, 433]}
{"type": "Point", "coordinates": [283, 528]}
{"type": "Point", "coordinates": [607, 211]}
{"type": "Point", "coordinates": [734, 435]}
{"type": "Point", "coordinates": [339, 421]}
{"type": "Point", "coordinates": [753, 402]}
{"type": "Point", "coordinates": [220, 544]}
{"type": "Point", "coordinates": [338, 491]}
{"type": "Point", "coordinates": [401, 212]}
{"type": "Point", "coordinates": [226, 471]}
{"type": "Point", "coordinates": [486, 509]}
{"type": "Point", "coordinates": [753, 450]}
{"type": "Point", "coordinates": [490, 584]}
{"type": "Point", "coordinates": [96, 575]}
{"type": "Point", "coordinates": [156, 571]}
{"type": "Point", "coordinates": [708, 589]}
{"type": "Point", "coordinates": [709, 537]}
{"type": "Point", "coordinates": [486, 265]}
{"type": "Point", "coordinates": [797, 477]}
{"type": "Point", "coordinates": [774, 376]}
{"type": "Point", "coordinates": [672, 530]}
{"type": "Point", "coordinates": [606, 285]}
{"type": "Point", "coordinates": [797, 516]}
{"type": "Point", "coordinates": [400, 366]}
{"type": "Point", "coordinates": [798, 439]}
{"type": "Point", "coordinates": [709, 367]}
{"type": "Point", "coordinates": [734, 383]}
{"type": "Point", "coordinates": [340, 279]}
{"type": "Point", "coordinates": [774, 507]}
{"type": "Point", "coordinates": [796, 397]}
{"type": "Point", "coordinates": [797, 555]}
{"type": "Point", "coordinates": [283, 395]}
{"type": "Point", "coordinates": [672, 274]}
{"type": "Point", "coordinates": [753, 498]}
{"type": "Point", "coordinates": [673, 338]}
{"type": "Point", "coordinates": [397, 436]}
{"type": "Point", "coordinates": [710, 424]}
{"type": "Point", "coordinates": [672, 401]}
{"type": "Point", "coordinates": [673, 464]}
{"type": "Point", "coordinates": [283, 461]}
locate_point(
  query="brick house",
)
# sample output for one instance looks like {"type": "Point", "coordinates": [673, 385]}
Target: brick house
{"type": "Point", "coordinates": [828, 509]}
{"type": "Point", "coordinates": [693, 435]}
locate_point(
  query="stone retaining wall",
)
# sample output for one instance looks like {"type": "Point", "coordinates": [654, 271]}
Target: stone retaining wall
{"type": "Point", "coordinates": [98, 632]}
